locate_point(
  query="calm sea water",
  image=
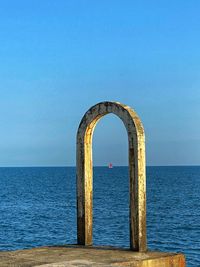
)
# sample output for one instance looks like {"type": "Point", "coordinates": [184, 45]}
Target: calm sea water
{"type": "Point", "coordinates": [38, 207]}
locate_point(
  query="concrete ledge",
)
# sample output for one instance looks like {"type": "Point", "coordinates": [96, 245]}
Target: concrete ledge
{"type": "Point", "coordinates": [74, 255]}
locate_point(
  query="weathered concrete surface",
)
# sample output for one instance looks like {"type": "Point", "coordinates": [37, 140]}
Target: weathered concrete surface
{"type": "Point", "coordinates": [137, 172]}
{"type": "Point", "coordinates": [88, 256]}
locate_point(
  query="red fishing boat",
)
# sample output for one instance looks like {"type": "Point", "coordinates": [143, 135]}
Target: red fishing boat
{"type": "Point", "coordinates": [110, 166]}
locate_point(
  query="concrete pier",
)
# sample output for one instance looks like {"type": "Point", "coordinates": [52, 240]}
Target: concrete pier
{"type": "Point", "coordinates": [76, 255]}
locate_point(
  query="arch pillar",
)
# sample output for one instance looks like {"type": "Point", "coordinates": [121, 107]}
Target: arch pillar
{"type": "Point", "coordinates": [137, 173]}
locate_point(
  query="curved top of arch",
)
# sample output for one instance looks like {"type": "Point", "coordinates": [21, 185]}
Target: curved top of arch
{"type": "Point", "coordinates": [124, 112]}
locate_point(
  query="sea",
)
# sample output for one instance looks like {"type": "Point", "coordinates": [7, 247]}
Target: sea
{"type": "Point", "coordinates": [38, 208]}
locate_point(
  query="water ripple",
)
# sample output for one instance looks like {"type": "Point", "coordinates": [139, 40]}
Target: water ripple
{"type": "Point", "coordinates": [38, 207]}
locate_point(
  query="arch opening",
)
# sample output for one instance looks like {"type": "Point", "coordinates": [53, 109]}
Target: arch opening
{"type": "Point", "coordinates": [110, 184]}
{"type": "Point", "coordinates": [110, 142]}
{"type": "Point", "coordinates": [137, 176]}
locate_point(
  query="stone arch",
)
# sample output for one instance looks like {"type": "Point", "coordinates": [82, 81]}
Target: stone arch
{"type": "Point", "coordinates": [137, 172]}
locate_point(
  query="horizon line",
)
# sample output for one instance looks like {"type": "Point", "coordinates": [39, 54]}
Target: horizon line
{"type": "Point", "coordinates": [74, 166]}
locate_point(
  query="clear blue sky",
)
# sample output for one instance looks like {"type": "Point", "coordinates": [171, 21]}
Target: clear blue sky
{"type": "Point", "coordinates": [57, 58]}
